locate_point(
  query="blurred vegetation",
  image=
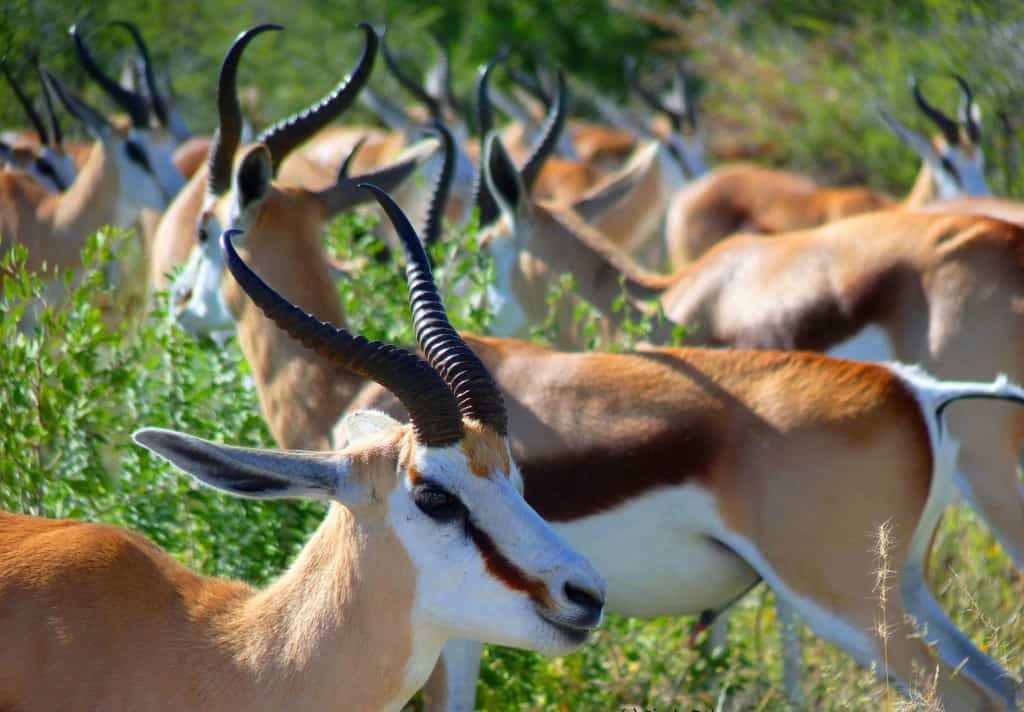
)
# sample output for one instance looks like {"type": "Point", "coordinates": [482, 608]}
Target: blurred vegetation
{"type": "Point", "coordinates": [800, 80]}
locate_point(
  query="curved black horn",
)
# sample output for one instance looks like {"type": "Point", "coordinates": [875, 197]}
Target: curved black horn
{"type": "Point", "coordinates": [550, 131]}
{"type": "Point", "coordinates": [226, 138]}
{"type": "Point", "coordinates": [130, 102]}
{"type": "Point", "coordinates": [346, 165]}
{"type": "Point", "coordinates": [967, 110]}
{"type": "Point", "coordinates": [432, 407]}
{"type": "Point", "coordinates": [51, 112]}
{"type": "Point", "coordinates": [26, 104]}
{"type": "Point", "coordinates": [530, 84]}
{"type": "Point", "coordinates": [156, 101]}
{"type": "Point", "coordinates": [284, 136]}
{"type": "Point", "coordinates": [649, 97]}
{"type": "Point", "coordinates": [409, 84]}
{"type": "Point", "coordinates": [482, 197]}
{"type": "Point", "coordinates": [949, 128]}
{"type": "Point", "coordinates": [687, 102]}
{"type": "Point", "coordinates": [443, 186]}
{"type": "Point", "coordinates": [477, 394]}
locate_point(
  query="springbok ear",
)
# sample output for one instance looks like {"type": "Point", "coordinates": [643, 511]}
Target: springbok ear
{"type": "Point", "coordinates": [603, 196]}
{"type": "Point", "coordinates": [252, 178]}
{"type": "Point", "coordinates": [255, 473]}
{"type": "Point", "coordinates": [503, 180]}
{"type": "Point", "coordinates": [921, 145]}
{"type": "Point", "coordinates": [364, 424]}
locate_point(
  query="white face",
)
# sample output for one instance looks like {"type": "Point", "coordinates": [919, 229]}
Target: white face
{"type": "Point", "coordinates": [162, 145]}
{"type": "Point", "coordinates": [139, 185]}
{"type": "Point", "coordinates": [197, 303]}
{"type": "Point", "coordinates": [958, 173]}
{"type": "Point", "coordinates": [54, 170]}
{"type": "Point", "coordinates": [490, 568]}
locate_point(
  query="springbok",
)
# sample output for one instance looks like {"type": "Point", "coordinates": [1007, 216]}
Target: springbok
{"type": "Point", "coordinates": [211, 201]}
{"type": "Point", "coordinates": [46, 160]}
{"type": "Point", "coordinates": [922, 288]}
{"type": "Point", "coordinates": [427, 537]}
{"type": "Point", "coordinates": [748, 198]}
{"type": "Point", "coordinates": [110, 188]}
{"type": "Point", "coordinates": [708, 445]}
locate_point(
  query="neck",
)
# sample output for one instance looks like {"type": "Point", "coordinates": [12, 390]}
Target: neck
{"type": "Point", "coordinates": [302, 394]}
{"type": "Point", "coordinates": [336, 628]}
{"type": "Point", "coordinates": [87, 205]}
{"type": "Point", "coordinates": [923, 190]}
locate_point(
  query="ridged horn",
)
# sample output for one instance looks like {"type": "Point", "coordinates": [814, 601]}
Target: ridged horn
{"type": "Point", "coordinates": [442, 188]}
{"type": "Point", "coordinates": [409, 84]}
{"type": "Point", "coordinates": [26, 104]}
{"type": "Point", "coordinates": [550, 131]}
{"type": "Point", "coordinates": [283, 137]}
{"type": "Point", "coordinates": [461, 369]}
{"type": "Point", "coordinates": [155, 99]}
{"type": "Point", "coordinates": [949, 128]}
{"type": "Point", "coordinates": [51, 112]}
{"type": "Point", "coordinates": [649, 97]}
{"type": "Point", "coordinates": [229, 123]}
{"type": "Point", "coordinates": [686, 99]}
{"type": "Point", "coordinates": [482, 197]}
{"type": "Point", "coordinates": [130, 102]}
{"type": "Point", "coordinates": [432, 407]}
{"type": "Point", "coordinates": [967, 110]}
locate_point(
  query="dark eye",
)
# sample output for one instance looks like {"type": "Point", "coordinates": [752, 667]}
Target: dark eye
{"type": "Point", "coordinates": [137, 154]}
{"type": "Point", "coordinates": [201, 235]}
{"type": "Point", "coordinates": [948, 166]}
{"type": "Point", "coordinates": [45, 168]}
{"type": "Point", "coordinates": [437, 504]}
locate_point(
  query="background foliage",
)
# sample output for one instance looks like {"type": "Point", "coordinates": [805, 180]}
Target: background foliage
{"type": "Point", "coordinates": [799, 79]}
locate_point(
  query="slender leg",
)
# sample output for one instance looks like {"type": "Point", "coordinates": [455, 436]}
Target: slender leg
{"type": "Point", "coordinates": [792, 654]}
{"type": "Point", "coordinates": [452, 685]}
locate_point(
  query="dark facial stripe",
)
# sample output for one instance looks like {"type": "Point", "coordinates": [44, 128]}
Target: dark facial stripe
{"type": "Point", "coordinates": [504, 570]}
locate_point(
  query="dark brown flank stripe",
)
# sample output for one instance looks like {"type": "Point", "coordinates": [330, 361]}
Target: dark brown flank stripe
{"type": "Point", "coordinates": [831, 320]}
{"type": "Point", "coordinates": [505, 571]}
{"type": "Point", "coordinates": [573, 485]}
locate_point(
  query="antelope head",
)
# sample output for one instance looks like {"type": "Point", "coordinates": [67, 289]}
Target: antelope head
{"type": "Point", "coordinates": [156, 159]}
{"type": "Point", "coordinates": [167, 129]}
{"type": "Point", "coordinates": [137, 184]}
{"type": "Point", "coordinates": [486, 566]}
{"type": "Point", "coordinates": [685, 142]}
{"type": "Point", "coordinates": [50, 165]}
{"type": "Point", "coordinates": [954, 156]}
{"type": "Point", "coordinates": [246, 197]}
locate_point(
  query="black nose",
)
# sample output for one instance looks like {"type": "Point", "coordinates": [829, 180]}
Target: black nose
{"type": "Point", "coordinates": [591, 601]}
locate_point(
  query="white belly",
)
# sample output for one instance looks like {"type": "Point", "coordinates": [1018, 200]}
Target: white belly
{"type": "Point", "coordinates": [869, 344]}
{"type": "Point", "coordinates": [655, 553]}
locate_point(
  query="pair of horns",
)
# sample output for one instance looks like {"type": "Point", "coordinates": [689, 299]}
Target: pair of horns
{"type": "Point", "coordinates": [132, 103]}
{"type": "Point", "coordinates": [452, 383]}
{"type": "Point", "coordinates": [685, 116]}
{"type": "Point", "coordinates": [554, 122]}
{"type": "Point", "coordinates": [951, 129]}
{"type": "Point", "coordinates": [286, 135]}
{"type": "Point", "coordinates": [53, 137]}
{"type": "Point", "coordinates": [439, 81]}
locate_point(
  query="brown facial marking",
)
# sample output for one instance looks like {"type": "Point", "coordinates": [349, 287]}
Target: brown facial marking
{"type": "Point", "coordinates": [505, 571]}
{"type": "Point", "coordinates": [573, 485]}
{"type": "Point", "coordinates": [485, 451]}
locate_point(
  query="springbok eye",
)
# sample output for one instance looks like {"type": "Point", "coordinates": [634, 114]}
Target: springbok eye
{"type": "Point", "coordinates": [201, 235]}
{"type": "Point", "coordinates": [437, 504]}
{"type": "Point", "coordinates": [45, 168]}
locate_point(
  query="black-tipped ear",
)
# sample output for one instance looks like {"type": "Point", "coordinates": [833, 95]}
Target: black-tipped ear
{"type": "Point", "coordinates": [252, 472]}
{"type": "Point", "coordinates": [253, 176]}
{"type": "Point", "coordinates": [503, 180]}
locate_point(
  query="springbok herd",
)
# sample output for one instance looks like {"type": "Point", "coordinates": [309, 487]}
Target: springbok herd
{"type": "Point", "coordinates": [494, 490]}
